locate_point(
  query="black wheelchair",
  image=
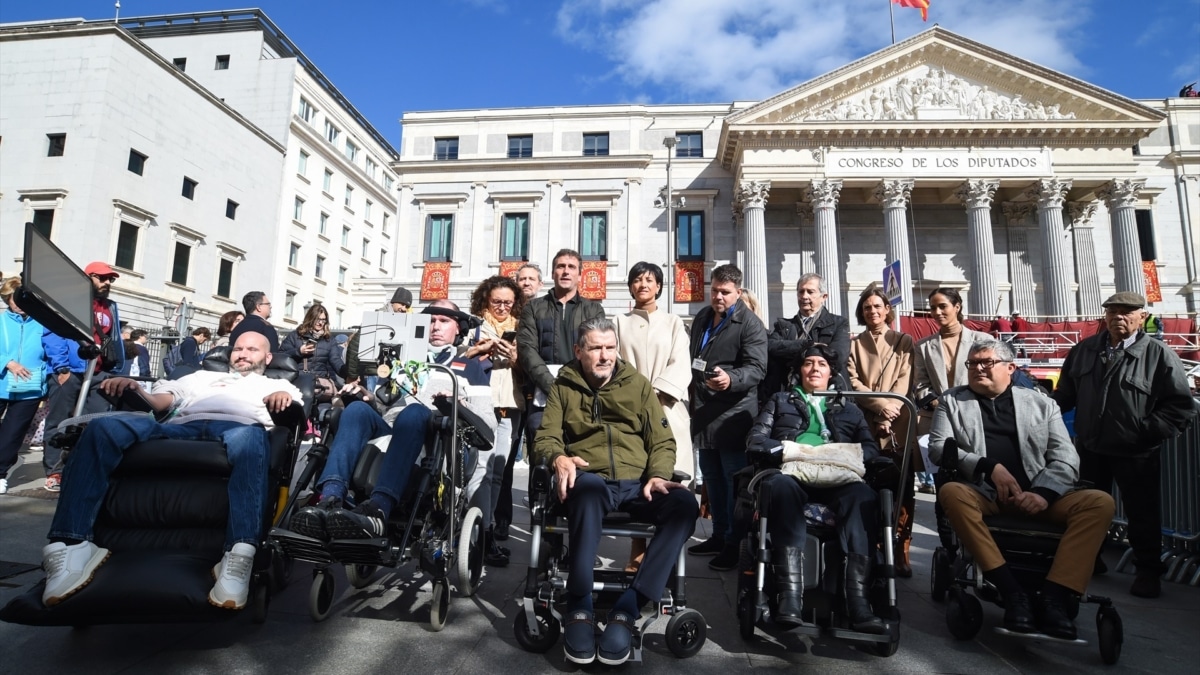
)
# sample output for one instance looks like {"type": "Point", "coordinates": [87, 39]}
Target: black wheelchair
{"type": "Point", "coordinates": [538, 623]}
{"type": "Point", "coordinates": [164, 519]}
{"type": "Point", "coordinates": [1028, 547]}
{"type": "Point", "coordinates": [431, 524]}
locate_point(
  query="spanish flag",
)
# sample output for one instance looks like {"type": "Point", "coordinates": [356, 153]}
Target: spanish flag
{"type": "Point", "coordinates": [922, 5]}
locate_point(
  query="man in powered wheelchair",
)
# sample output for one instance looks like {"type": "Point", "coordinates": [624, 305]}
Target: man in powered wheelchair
{"type": "Point", "coordinates": [809, 455]}
{"type": "Point", "coordinates": [610, 449]}
{"type": "Point", "coordinates": [1011, 496]}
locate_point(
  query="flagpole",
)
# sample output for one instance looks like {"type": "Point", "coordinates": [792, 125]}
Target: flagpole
{"type": "Point", "coordinates": [892, 20]}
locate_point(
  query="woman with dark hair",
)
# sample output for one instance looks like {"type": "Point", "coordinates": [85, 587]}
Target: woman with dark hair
{"type": "Point", "coordinates": [498, 301]}
{"type": "Point", "coordinates": [312, 346]}
{"type": "Point", "coordinates": [881, 360]}
{"type": "Point", "coordinates": [228, 321]}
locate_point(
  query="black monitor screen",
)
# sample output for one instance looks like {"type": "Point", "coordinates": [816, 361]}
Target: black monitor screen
{"type": "Point", "coordinates": [54, 291]}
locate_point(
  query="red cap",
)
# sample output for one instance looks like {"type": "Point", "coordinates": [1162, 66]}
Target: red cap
{"type": "Point", "coordinates": [101, 269]}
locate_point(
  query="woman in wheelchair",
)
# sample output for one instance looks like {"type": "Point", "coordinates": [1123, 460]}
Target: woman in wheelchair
{"type": "Point", "coordinates": [798, 416]}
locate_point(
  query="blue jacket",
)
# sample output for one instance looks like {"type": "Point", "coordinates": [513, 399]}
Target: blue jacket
{"type": "Point", "coordinates": [64, 353]}
{"type": "Point", "coordinates": [20, 341]}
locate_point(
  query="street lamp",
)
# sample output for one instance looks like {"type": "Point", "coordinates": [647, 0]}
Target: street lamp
{"type": "Point", "coordinates": [178, 317]}
{"type": "Point", "coordinates": [666, 200]}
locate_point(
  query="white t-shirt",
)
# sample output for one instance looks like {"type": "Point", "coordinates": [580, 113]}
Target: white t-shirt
{"type": "Point", "coordinates": [206, 395]}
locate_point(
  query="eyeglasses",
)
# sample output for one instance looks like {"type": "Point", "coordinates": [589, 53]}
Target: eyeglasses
{"type": "Point", "coordinates": [984, 364]}
{"type": "Point", "coordinates": [320, 320]}
{"type": "Point", "coordinates": [265, 303]}
{"type": "Point", "coordinates": [104, 278]}
{"type": "Point", "coordinates": [501, 303]}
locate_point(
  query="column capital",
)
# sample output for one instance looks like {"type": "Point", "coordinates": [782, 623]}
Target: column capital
{"type": "Point", "coordinates": [1081, 213]}
{"type": "Point", "coordinates": [1121, 192]}
{"type": "Point", "coordinates": [805, 210]}
{"type": "Point", "coordinates": [824, 194]}
{"type": "Point", "coordinates": [894, 194]}
{"type": "Point", "coordinates": [977, 193]}
{"type": "Point", "coordinates": [1017, 212]}
{"type": "Point", "coordinates": [1050, 193]}
{"type": "Point", "coordinates": [633, 181]}
{"type": "Point", "coordinates": [753, 193]}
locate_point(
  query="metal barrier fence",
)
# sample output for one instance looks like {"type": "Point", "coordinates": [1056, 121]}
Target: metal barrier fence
{"type": "Point", "coordinates": [1180, 508]}
{"type": "Point", "coordinates": [159, 345]}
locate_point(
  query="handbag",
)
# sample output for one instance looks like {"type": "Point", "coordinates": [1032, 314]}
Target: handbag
{"type": "Point", "coordinates": [111, 351]}
{"type": "Point", "coordinates": [828, 465]}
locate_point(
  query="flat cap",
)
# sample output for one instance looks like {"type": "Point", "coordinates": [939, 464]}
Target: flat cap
{"type": "Point", "coordinates": [1125, 299]}
{"type": "Point", "coordinates": [402, 296]}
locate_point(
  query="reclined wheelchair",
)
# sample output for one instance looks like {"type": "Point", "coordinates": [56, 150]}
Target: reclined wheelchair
{"type": "Point", "coordinates": [823, 559]}
{"type": "Point", "coordinates": [538, 624]}
{"type": "Point", "coordinates": [164, 519]}
{"type": "Point", "coordinates": [1028, 547]}
{"type": "Point", "coordinates": [431, 524]}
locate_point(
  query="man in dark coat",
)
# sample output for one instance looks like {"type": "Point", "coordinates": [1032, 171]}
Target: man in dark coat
{"type": "Point", "coordinates": [813, 324]}
{"type": "Point", "coordinates": [729, 359]}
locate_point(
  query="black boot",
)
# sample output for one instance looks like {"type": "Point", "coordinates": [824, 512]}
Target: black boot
{"type": "Point", "coordinates": [858, 610]}
{"type": "Point", "coordinates": [788, 567]}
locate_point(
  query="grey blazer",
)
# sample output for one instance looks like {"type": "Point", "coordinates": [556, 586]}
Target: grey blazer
{"type": "Point", "coordinates": [929, 368]}
{"type": "Point", "coordinates": [1047, 454]}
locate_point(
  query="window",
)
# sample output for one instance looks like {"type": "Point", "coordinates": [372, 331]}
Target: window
{"type": "Point", "coordinates": [289, 303]}
{"type": "Point", "coordinates": [293, 254]}
{"type": "Point", "coordinates": [439, 238]}
{"type": "Point", "coordinates": [345, 236]}
{"type": "Point", "coordinates": [327, 182]}
{"type": "Point", "coordinates": [514, 237]}
{"type": "Point", "coordinates": [231, 209]}
{"type": "Point", "coordinates": [179, 266]}
{"type": "Point", "coordinates": [371, 168]}
{"type": "Point", "coordinates": [349, 196]}
{"type": "Point", "coordinates": [189, 188]}
{"type": "Point", "coordinates": [351, 150]}
{"type": "Point", "coordinates": [127, 241]}
{"type": "Point", "coordinates": [306, 111]}
{"type": "Point", "coordinates": [331, 132]}
{"type": "Point", "coordinates": [341, 277]}
{"type": "Point", "coordinates": [339, 312]}
{"type": "Point", "coordinates": [388, 182]}
{"type": "Point", "coordinates": [180, 64]}
{"type": "Point", "coordinates": [366, 243]}
{"type": "Point", "coordinates": [319, 268]}
{"type": "Point", "coordinates": [225, 278]}
{"type": "Point", "coordinates": [222, 62]}
{"type": "Point", "coordinates": [137, 161]}
{"type": "Point", "coordinates": [323, 223]}
{"type": "Point", "coordinates": [689, 228]}
{"type": "Point", "coordinates": [520, 146]}
{"type": "Point", "coordinates": [302, 164]}
{"type": "Point", "coordinates": [43, 221]}
{"type": "Point", "coordinates": [595, 145]}
{"type": "Point", "coordinates": [445, 148]}
{"type": "Point", "coordinates": [382, 259]}
{"type": "Point", "coordinates": [1145, 230]}
{"type": "Point", "coordinates": [298, 209]}
{"type": "Point", "coordinates": [367, 212]}
{"type": "Point", "coordinates": [385, 222]}
{"type": "Point", "coordinates": [593, 236]}
{"type": "Point", "coordinates": [691, 144]}
{"type": "Point", "coordinates": [57, 145]}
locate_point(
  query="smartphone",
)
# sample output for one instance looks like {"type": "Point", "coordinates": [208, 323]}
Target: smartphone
{"type": "Point", "coordinates": [509, 335]}
{"type": "Point", "coordinates": [710, 374]}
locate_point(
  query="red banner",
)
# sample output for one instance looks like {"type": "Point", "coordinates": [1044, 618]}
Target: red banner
{"type": "Point", "coordinates": [435, 281]}
{"type": "Point", "coordinates": [509, 268]}
{"type": "Point", "coordinates": [593, 282]}
{"type": "Point", "coordinates": [689, 281]}
{"type": "Point", "coordinates": [1150, 275]}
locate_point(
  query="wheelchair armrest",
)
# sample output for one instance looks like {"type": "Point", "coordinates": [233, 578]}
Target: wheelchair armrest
{"type": "Point", "coordinates": [949, 463]}
{"type": "Point", "coordinates": [680, 476]}
{"type": "Point", "coordinates": [766, 456]}
{"type": "Point", "coordinates": [290, 417]}
{"type": "Point", "coordinates": [542, 481]}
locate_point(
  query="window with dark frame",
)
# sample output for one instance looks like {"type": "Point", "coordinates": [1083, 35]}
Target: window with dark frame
{"type": "Point", "coordinates": [127, 241]}
{"type": "Point", "coordinates": [691, 144]}
{"type": "Point", "coordinates": [137, 162]}
{"type": "Point", "coordinates": [231, 209]}
{"type": "Point", "coordinates": [520, 147]}
{"type": "Point", "coordinates": [514, 237]}
{"type": "Point", "coordinates": [225, 278]}
{"type": "Point", "coordinates": [43, 221]}
{"type": "Point", "coordinates": [179, 265]}
{"type": "Point", "coordinates": [1145, 230]}
{"type": "Point", "coordinates": [294, 255]}
{"type": "Point", "coordinates": [439, 238]}
{"type": "Point", "coordinates": [595, 145]}
{"type": "Point", "coordinates": [445, 148]}
{"type": "Point", "coordinates": [222, 62]}
{"type": "Point", "coordinates": [189, 188]}
{"type": "Point", "coordinates": [689, 233]}
{"type": "Point", "coordinates": [180, 64]}
{"type": "Point", "coordinates": [57, 145]}
{"type": "Point", "coordinates": [593, 235]}
{"type": "Point", "coordinates": [319, 268]}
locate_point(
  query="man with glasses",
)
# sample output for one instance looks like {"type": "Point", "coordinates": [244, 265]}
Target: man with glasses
{"type": "Point", "coordinates": [258, 310]}
{"type": "Point", "coordinates": [792, 337]}
{"type": "Point", "coordinates": [1130, 395]}
{"type": "Point", "coordinates": [62, 356]}
{"type": "Point", "coordinates": [1014, 451]}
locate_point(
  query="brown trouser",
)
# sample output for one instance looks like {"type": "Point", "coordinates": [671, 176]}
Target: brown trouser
{"type": "Point", "coordinates": [1086, 513]}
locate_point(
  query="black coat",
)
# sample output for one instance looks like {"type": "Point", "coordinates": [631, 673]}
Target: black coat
{"type": "Point", "coordinates": [326, 361]}
{"type": "Point", "coordinates": [785, 345]}
{"type": "Point", "coordinates": [785, 416]}
{"type": "Point", "coordinates": [721, 419]}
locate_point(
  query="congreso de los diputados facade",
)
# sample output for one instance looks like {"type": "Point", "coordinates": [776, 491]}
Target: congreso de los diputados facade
{"type": "Point", "coordinates": [1027, 189]}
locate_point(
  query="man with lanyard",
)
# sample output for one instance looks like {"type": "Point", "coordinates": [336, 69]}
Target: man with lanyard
{"type": "Point", "coordinates": [812, 324]}
{"type": "Point", "coordinates": [69, 368]}
{"type": "Point", "coordinates": [729, 357]}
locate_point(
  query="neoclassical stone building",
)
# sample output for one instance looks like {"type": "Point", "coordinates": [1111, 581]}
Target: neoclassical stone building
{"type": "Point", "coordinates": [1030, 190]}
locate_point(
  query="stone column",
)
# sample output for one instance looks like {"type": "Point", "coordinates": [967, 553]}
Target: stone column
{"type": "Point", "coordinates": [753, 197]}
{"type": "Point", "coordinates": [1020, 273]}
{"type": "Point", "coordinates": [1121, 196]}
{"type": "Point", "coordinates": [824, 197]}
{"type": "Point", "coordinates": [1057, 267]}
{"type": "Point", "coordinates": [894, 196]}
{"type": "Point", "coordinates": [805, 215]}
{"type": "Point", "coordinates": [739, 231]}
{"type": "Point", "coordinates": [977, 196]}
{"type": "Point", "coordinates": [1086, 272]}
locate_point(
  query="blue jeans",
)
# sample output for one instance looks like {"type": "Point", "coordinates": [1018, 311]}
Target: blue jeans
{"type": "Point", "coordinates": [360, 423]}
{"type": "Point", "coordinates": [718, 467]}
{"type": "Point", "coordinates": [102, 446]}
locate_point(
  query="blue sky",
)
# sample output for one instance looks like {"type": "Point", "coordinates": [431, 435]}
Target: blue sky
{"type": "Point", "coordinates": [394, 56]}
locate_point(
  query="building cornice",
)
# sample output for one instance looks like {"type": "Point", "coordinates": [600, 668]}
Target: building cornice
{"type": "Point", "coordinates": [502, 164]}
{"type": "Point", "coordinates": [332, 154]}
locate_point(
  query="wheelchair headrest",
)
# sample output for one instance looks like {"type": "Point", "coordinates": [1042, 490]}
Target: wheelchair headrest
{"type": "Point", "coordinates": [282, 366]}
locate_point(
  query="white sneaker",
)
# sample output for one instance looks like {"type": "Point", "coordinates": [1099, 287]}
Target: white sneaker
{"type": "Point", "coordinates": [233, 578]}
{"type": "Point", "coordinates": [3, 486]}
{"type": "Point", "coordinates": [69, 568]}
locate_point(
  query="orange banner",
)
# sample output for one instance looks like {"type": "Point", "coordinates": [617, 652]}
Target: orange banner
{"type": "Point", "coordinates": [509, 268]}
{"type": "Point", "coordinates": [435, 281]}
{"type": "Point", "coordinates": [593, 282]}
{"type": "Point", "coordinates": [1150, 275]}
{"type": "Point", "coordinates": [689, 281]}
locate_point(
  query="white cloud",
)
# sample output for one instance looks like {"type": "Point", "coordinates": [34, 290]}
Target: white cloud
{"type": "Point", "coordinates": [719, 50]}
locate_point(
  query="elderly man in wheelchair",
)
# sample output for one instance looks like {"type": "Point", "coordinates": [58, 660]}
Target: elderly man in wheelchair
{"type": "Point", "coordinates": [1013, 458]}
{"type": "Point", "coordinates": [233, 407]}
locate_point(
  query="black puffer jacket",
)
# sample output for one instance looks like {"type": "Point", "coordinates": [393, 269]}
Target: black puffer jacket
{"type": "Point", "coordinates": [785, 416]}
{"type": "Point", "coordinates": [326, 361]}
{"type": "Point", "coordinates": [541, 330]}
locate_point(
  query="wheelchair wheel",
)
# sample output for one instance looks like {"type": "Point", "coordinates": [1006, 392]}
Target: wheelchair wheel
{"type": "Point", "coordinates": [281, 570]}
{"type": "Point", "coordinates": [747, 615]}
{"type": "Point", "coordinates": [360, 575]}
{"type": "Point", "coordinates": [939, 575]}
{"type": "Point", "coordinates": [547, 624]}
{"type": "Point", "coordinates": [439, 607]}
{"type": "Point", "coordinates": [320, 595]}
{"type": "Point", "coordinates": [1110, 633]}
{"type": "Point", "coordinates": [686, 633]}
{"type": "Point", "coordinates": [469, 555]}
{"type": "Point", "coordinates": [964, 615]}
{"type": "Point", "coordinates": [885, 649]}
{"type": "Point", "coordinates": [260, 600]}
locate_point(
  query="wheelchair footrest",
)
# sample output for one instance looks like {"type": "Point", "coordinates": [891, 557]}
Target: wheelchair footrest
{"type": "Point", "coordinates": [1040, 637]}
{"type": "Point", "coordinates": [850, 634]}
{"type": "Point", "coordinates": [300, 547]}
{"type": "Point", "coordinates": [361, 551]}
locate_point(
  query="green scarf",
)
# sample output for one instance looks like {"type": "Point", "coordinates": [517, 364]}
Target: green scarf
{"type": "Point", "coordinates": [817, 432]}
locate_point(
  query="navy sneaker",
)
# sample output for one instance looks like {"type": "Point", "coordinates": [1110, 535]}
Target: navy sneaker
{"type": "Point", "coordinates": [616, 644]}
{"type": "Point", "coordinates": [366, 521]}
{"type": "Point", "coordinates": [579, 637]}
{"type": "Point", "coordinates": [310, 520]}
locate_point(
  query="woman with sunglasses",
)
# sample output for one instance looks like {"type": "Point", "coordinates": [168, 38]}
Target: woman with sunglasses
{"type": "Point", "coordinates": [312, 346]}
